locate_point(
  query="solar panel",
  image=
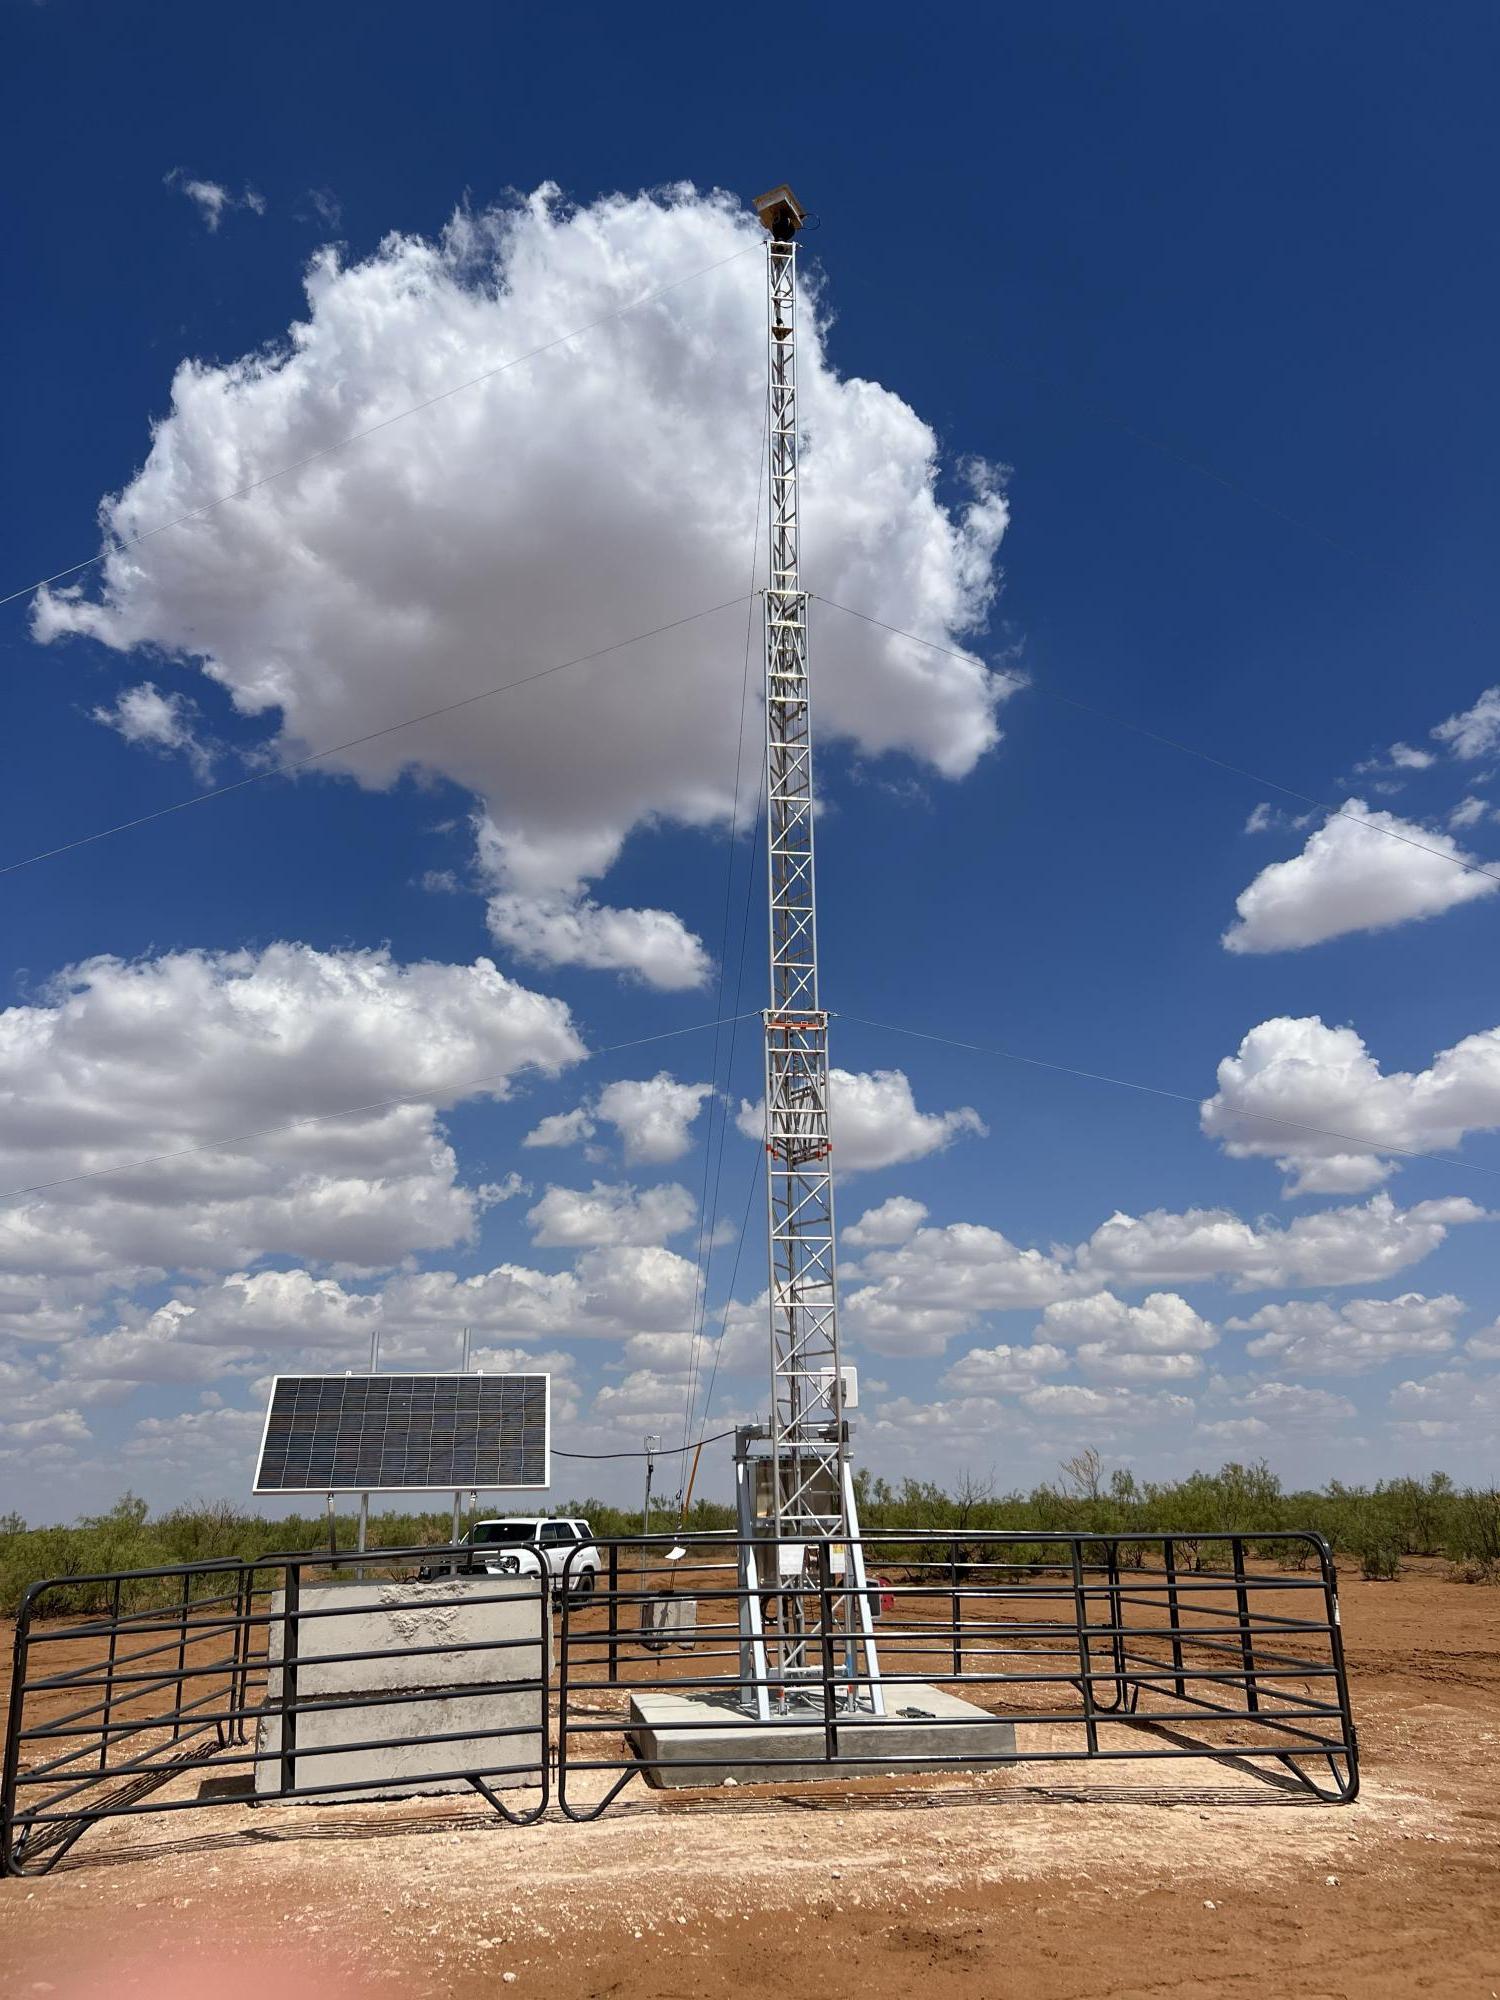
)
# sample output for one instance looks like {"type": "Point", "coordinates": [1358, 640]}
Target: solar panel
{"type": "Point", "coordinates": [421, 1433]}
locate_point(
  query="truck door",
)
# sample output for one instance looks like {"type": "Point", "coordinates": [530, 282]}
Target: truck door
{"type": "Point", "coordinates": [557, 1539]}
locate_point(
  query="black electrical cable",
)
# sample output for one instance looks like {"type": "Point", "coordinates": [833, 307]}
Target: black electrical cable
{"type": "Point", "coordinates": [666, 1451]}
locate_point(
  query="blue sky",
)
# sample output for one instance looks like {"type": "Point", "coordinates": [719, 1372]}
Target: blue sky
{"type": "Point", "coordinates": [1152, 375]}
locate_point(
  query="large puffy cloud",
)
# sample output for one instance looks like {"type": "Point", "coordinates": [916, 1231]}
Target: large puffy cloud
{"type": "Point", "coordinates": [1163, 1323]}
{"type": "Point", "coordinates": [1338, 1246]}
{"type": "Point", "coordinates": [653, 1115]}
{"type": "Point", "coordinates": [1315, 1338]}
{"type": "Point", "coordinates": [522, 523]}
{"type": "Point", "coordinates": [893, 1221]}
{"type": "Point", "coordinates": [1302, 1073]}
{"type": "Point", "coordinates": [116, 1062]}
{"type": "Point", "coordinates": [1160, 1340]}
{"type": "Point", "coordinates": [253, 1322]}
{"type": "Point", "coordinates": [923, 1292]}
{"type": "Point", "coordinates": [874, 1121]}
{"type": "Point", "coordinates": [606, 1213]}
{"type": "Point", "coordinates": [919, 1294]}
{"type": "Point", "coordinates": [1350, 878]}
{"type": "Point", "coordinates": [1004, 1368]}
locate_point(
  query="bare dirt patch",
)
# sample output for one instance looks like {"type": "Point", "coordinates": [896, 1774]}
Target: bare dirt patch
{"type": "Point", "coordinates": [1055, 1884]}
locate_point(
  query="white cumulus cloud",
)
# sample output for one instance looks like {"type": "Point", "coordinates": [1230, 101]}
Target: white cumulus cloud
{"type": "Point", "coordinates": [605, 1214]}
{"type": "Point", "coordinates": [521, 523]}
{"type": "Point", "coordinates": [563, 1128]}
{"type": "Point", "coordinates": [116, 1061]}
{"type": "Point", "coordinates": [167, 722]}
{"type": "Point", "coordinates": [874, 1121]}
{"type": "Point", "coordinates": [653, 1115]}
{"type": "Point", "coordinates": [1338, 1246]}
{"type": "Point", "coordinates": [893, 1221]}
{"type": "Point", "coordinates": [1476, 731]}
{"type": "Point", "coordinates": [1303, 1073]}
{"type": "Point", "coordinates": [1350, 878]}
{"type": "Point", "coordinates": [1315, 1338]}
{"type": "Point", "coordinates": [1002, 1369]}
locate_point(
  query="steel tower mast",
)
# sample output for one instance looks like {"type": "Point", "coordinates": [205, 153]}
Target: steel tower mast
{"type": "Point", "coordinates": [802, 1494]}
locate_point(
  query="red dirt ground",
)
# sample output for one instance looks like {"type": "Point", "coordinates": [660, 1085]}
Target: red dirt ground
{"type": "Point", "coordinates": [1055, 1884]}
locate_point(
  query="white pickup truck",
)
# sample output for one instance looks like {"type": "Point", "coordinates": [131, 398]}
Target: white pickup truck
{"type": "Point", "coordinates": [518, 1547]}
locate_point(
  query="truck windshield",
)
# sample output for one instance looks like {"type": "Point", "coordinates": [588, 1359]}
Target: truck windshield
{"type": "Point", "coordinates": [503, 1531]}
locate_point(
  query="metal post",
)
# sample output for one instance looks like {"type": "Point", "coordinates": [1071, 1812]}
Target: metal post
{"type": "Point", "coordinates": [465, 1367]}
{"type": "Point", "coordinates": [825, 1638]}
{"type": "Point", "coordinates": [333, 1532]}
{"type": "Point", "coordinates": [1085, 1655]}
{"type": "Point", "coordinates": [651, 1444]}
{"type": "Point", "coordinates": [182, 1627]}
{"type": "Point", "coordinates": [1174, 1611]}
{"type": "Point", "coordinates": [614, 1611]}
{"type": "Point", "coordinates": [1247, 1646]}
{"type": "Point", "coordinates": [374, 1349]}
{"type": "Point", "coordinates": [956, 1606]}
{"type": "Point", "coordinates": [290, 1606]}
{"type": "Point", "coordinates": [457, 1506]}
{"type": "Point", "coordinates": [109, 1673]}
{"type": "Point", "coordinates": [12, 1764]}
{"type": "Point", "coordinates": [364, 1531]}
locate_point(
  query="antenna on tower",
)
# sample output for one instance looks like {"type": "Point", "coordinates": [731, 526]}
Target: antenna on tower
{"type": "Point", "coordinates": [796, 1503]}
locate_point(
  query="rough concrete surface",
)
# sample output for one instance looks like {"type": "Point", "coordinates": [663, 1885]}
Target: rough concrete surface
{"type": "Point", "coordinates": [498, 1631]}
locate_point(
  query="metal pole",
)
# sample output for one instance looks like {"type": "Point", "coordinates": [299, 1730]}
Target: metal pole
{"type": "Point", "coordinates": [651, 1444]}
{"type": "Point", "coordinates": [364, 1531]}
{"type": "Point", "coordinates": [457, 1504]}
{"type": "Point", "coordinates": [290, 1605]}
{"type": "Point", "coordinates": [465, 1368]}
{"type": "Point", "coordinates": [374, 1349]}
{"type": "Point", "coordinates": [614, 1611]}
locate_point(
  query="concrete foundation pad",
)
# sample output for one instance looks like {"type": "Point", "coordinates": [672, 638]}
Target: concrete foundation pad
{"type": "Point", "coordinates": [689, 1739]}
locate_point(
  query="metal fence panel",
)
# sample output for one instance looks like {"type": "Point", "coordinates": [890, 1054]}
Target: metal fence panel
{"type": "Point", "coordinates": [291, 1677]}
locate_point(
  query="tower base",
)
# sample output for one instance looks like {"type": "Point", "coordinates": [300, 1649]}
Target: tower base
{"type": "Point", "coordinates": [686, 1740]}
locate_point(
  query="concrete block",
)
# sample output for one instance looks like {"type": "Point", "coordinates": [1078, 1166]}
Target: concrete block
{"type": "Point", "coordinates": [703, 1739]}
{"type": "Point", "coordinates": [407, 1760]}
{"type": "Point", "coordinates": [387, 1620]}
{"type": "Point", "coordinates": [392, 1625]}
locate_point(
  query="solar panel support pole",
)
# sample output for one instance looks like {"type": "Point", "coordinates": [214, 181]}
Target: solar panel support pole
{"type": "Point", "coordinates": [811, 1497]}
{"type": "Point", "coordinates": [457, 1507]}
{"type": "Point", "coordinates": [364, 1531]}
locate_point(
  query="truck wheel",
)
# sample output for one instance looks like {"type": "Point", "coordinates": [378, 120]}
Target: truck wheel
{"type": "Point", "coordinates": [583, 1583]}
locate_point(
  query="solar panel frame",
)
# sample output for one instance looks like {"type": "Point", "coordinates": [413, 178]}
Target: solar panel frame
{"type": "Point", "coordinates": [435, 1433]}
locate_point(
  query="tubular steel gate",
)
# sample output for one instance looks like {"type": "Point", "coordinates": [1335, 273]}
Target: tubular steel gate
{"type": "Point", "coordinates": [307, 1678]}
